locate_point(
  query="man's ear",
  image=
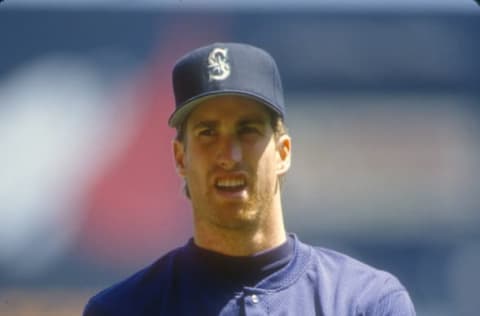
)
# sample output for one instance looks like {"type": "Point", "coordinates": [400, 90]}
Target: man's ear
{"type": "Point", "coordinates": [179, 156]}
{"type": "Point", "coordinates": [284, 151]}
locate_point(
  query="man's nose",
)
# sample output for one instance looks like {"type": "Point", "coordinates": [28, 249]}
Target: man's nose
{"type": "Point", "coordinates": [229, 153]}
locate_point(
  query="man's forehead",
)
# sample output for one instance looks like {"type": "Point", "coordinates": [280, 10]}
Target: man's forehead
{"type": "Point", "coordinates": [232, 108]}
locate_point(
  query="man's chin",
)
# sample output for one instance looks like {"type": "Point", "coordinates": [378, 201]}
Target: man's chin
{"type": "Point", "coordinates": [235, 216]}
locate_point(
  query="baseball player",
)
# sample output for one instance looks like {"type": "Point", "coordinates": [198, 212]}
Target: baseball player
{"type": "Point", "coordinates": [232, 149]}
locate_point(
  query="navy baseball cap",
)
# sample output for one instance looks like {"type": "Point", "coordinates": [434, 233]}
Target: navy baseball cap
{"type": "Point", "coordinates": [225, 69]}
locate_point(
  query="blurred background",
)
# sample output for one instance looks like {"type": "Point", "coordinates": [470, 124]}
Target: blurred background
{"type": "Point", "coordinates": [382, 100]}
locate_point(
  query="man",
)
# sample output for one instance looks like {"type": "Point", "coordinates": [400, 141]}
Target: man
{"type": "Point", "coordinates": [232, 149]}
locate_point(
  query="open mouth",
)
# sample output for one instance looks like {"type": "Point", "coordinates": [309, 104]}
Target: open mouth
{"type": "Point", "coordinates": [230, 184]}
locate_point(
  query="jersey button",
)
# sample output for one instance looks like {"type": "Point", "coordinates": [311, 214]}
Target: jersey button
{"type": "Point", "coordinates": [255, 299]}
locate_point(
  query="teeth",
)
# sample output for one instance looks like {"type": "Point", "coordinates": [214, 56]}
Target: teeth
{"type": "Point", "coordinates": [230, 182]}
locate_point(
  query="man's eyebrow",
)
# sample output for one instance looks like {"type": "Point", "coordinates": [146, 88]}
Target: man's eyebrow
{"type": "Point", "coordinates": [255, 121]}
{"type": "Point", "coordinates": [205, 123]}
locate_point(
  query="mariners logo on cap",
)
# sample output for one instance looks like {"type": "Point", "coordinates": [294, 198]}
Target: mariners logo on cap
{"type": "Point", "coordinates": [218, 66]}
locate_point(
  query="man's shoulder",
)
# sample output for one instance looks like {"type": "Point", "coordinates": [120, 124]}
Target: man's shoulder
{"type": "Point", "coordinates": [336, 260]}
{"type": "Point", "coordinates": [137, 289]}
{"type": "Point", "coordinates": [342, 268]}
{"type": "Point", "coordinates": [355, 281]}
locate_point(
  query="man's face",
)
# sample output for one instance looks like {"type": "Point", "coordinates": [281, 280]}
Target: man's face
{"type": "Point", "coordinates": [231, 161]}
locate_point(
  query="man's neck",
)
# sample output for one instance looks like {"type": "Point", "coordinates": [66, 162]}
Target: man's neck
{"type": "Point", "coordinates": [245, 241]}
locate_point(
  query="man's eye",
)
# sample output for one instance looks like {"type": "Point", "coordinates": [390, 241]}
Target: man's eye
{"type": "Point", "coordinates": [249, 130]}
{"type": "Point", "coordinates": [207, 132]}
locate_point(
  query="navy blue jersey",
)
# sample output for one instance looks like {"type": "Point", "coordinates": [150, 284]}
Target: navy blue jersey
{"type": "Point", "coordinates": [293, 279]}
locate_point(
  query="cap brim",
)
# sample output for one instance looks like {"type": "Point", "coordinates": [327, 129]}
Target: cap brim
{"type": "Point", "coordinates": [184, 110]}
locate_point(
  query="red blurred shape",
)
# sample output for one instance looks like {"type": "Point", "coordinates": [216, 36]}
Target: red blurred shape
{"type": "Point", "coordinates": [136, 210]}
